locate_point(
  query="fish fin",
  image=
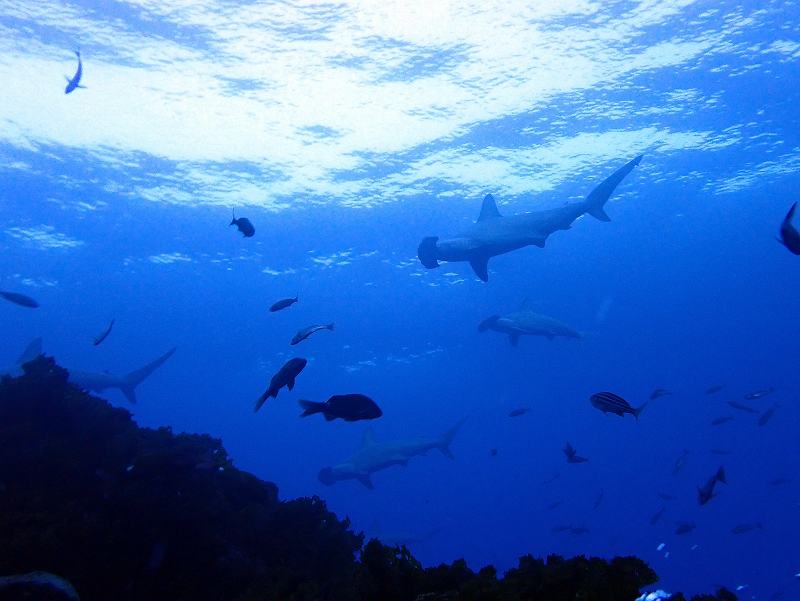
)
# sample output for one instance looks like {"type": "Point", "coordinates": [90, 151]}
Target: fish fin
{"type": "Point", "coordinates": [67, 77]}
{"type": "Point", "coordinates": [638, 411]}
{"type": "Point", "coordinates": [33, 350]}
{"type": "Point", "coordinates": [365, 480]}
{"type": "Point", "coordinates": [330, 326]}
{"type": "Point", "coordinates": [514, 340]}
{"type": "Point", "coordinates": [310, 408]}
{"type": "Point", "coordinates": [480, 265]}
{"type": "Point", "coordinates": [721, 477]}
{"type": "Point", "coordinates": [368, 438]}
{"type": "Point", "coordinates": [790, 215]}
{"type": "Point", "coordinates": [426, 251]}
{"type": "Point", "coordinates": [261, 400]}
{"type": "Point", "coordinates": [446, 439]}
{"type": "Point", "coordinates": [600, 195]}
{"type": "Point", "coordinates": [489, 209]}
{"type": "Point", "coordinates": [290, 384]}
{"type": "Point", "coordinates": [131, 380]}
{"type": "Point", "coordinates": [488, 323]}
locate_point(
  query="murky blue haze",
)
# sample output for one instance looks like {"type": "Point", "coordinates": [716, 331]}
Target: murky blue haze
{"type": "Point", "coordinates": [346, 132]}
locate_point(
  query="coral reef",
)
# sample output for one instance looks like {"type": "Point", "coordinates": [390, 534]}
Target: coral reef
{"type": "Point", "coordinates": [127, 513]}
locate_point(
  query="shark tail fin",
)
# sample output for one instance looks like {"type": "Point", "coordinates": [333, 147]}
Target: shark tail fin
{"type": "Point", "coordinates": [637, 411]}
{"type": "Point", "coordinates": [33, 350]}
{"type": "Point", "coordinates": [263, 398]}
{"type": "Point", "coordinates": [311, 407]}
{"type": "Point", "coordinates": [427, 252]}
{"type": "Point", "coordinates": [446, 439]}
{"type": "Point", "coordinates": [599, 196]}
{"type": "Point", "coordinates": [131, 380]}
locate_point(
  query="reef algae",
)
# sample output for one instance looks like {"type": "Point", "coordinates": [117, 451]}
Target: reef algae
{"type": "Point", "coordinates": [128, 513]}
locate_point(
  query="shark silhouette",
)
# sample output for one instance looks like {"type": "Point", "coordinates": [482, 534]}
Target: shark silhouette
{"type": "Point", "coordinates": [492, 234]}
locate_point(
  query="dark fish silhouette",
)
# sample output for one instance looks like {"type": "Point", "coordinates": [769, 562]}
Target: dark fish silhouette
{"type": "Point", "coordinates": [767, 415]}
{"type": "Point", "coordinates": [684, 527]}
{"type": "Point", "coordinates": [742, 407]}
{"type": "Point", "coordinates": [706, 492]}
{"type": "Point", "coordinates": [758, 394]}
{"type": "Point", "coordinates": [721, 451]}
{"type": "Point", "coordinates": [518, 412]}
{"type": "Point", "coordinates": [598, 500]}
{"type": "Point", "coordinates": [572, 456]}
{"type": "Point", "coordinates": [718, 421]}
{"type": "Point", "coordinates": [285, 377]}
{"type": "Point", "coordinates": [680, 462]}
{"type": "Point", "coordinates": [75, 82]}
{"type": "Point", "coordinates": [349, 407]}
{"type": "Point", "coordinates": [746, 527]}
{"type": "Point", "coordinates": [714, 389]}
{"type": "Point", "coordinates": [243, 225]}
{"type": "Point", "coordinates": [790, 237]}
{"type": "Point", "coordinates": [19, 299]}
{"type": "Point", "coordinates": [659, 392]}
{"type": "Point", "coordinates": [493, 452]}
{"type": "Point", "coordinates": [283, 304]}
{"type": "Point", "coordinates": [105, 334]}
{"type": "Point", "coordinates": [306, 332]}
{"type": "Point", "coordinates": [608, 402]}
{"type": "Point", "coordinates": [657, 516]}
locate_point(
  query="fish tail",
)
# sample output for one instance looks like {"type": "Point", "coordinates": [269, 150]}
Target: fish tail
{"type": "Point", "coordinates": [131, 380]}
{"type": "Point", "coordinates": [263, 399]}
{"type": "Point", "coordinates": [311, 407]}
{"type": "Point", "coordinates": [637, 412]}
{"type": "Point", "coordinates": [599, 196]}
{"type": "Point", "coordinates": [446, 439]}
{"type": "Point", "coordinates": [330, 326]}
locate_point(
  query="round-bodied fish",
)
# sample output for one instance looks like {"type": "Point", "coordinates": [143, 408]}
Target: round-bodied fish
{"type": "Point", "coordinates": [608, 402]}
{"type": "Point", "coordinates": [349, 407]}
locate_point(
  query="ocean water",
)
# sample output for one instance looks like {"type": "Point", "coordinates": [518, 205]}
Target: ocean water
{"type": "Point", "coordinates": [346, 132]}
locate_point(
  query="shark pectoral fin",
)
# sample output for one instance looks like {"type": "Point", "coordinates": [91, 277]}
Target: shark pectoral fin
{"type": "Point", "coordinates": [68, 79]}
{"type": "Point", "coordinates": [489, 209]}
{"type": "Point", "coordinates": [513, 339]}
{"type": "Point", "coordinates": [480, 265]}
{"type": "Point", "coordinates": [365, 480]}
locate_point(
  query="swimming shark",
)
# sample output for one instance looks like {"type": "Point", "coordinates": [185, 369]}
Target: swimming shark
{"type": "Point", "coordinates": [525, 322]}
{"type": "Point", "coordinates": [492, 234]}
{"type": "Point", "coordinates": [75, 82]}
{"type": "Point", "coordinates": [93, 382]}
{"type": "Point", "coordinates": [374, 456]}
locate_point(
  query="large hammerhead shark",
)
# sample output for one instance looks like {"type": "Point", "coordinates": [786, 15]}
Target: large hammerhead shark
{"type": "Point", "coordinates": [494, 234]}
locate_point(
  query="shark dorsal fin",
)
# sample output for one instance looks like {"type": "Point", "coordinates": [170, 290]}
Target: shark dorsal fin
{"type": "Point", "coordinates": [368, 438]}
{"type": "Point", "coordinates": [489, 209]}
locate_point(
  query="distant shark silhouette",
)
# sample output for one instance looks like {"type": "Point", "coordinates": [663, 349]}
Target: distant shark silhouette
{"type": "Point", "coordinates": [494, 234]}
{"type": "Point", "coordinates": [525, 322]}
{"type": "Point", "coordinates": [94, 382]}
{"type": "Point", "coordinates": [375, 456]}
{"type": "Point", "coordinates": [74, 82]}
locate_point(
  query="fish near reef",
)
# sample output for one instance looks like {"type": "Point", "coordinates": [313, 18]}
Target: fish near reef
{"type": "Point", "coordinates": [19, 299]}
{"type": "Point", "coordinates": [492, 234]}
{"type": "Point", "coordinates": [306, 332]}
{"type": "Point", "coordinates": [349, 407]}
{"type": "Point", "coordinates": [243, 225]}
{"type": "Point", "coordinates": [284, 377]}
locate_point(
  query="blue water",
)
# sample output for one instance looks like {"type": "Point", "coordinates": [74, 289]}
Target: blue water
{"type": "Point", "coordinates": [346, 132]}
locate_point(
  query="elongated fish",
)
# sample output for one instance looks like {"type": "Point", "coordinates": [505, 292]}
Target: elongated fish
{"type": "Point", "coordinates": [104, 334]}
{"type": "Point", "coordinates": [306, 332]}
{"type": "Point", "coordinates": [19, 299]}
{"type": "Point", "coordinates": [608, 402]}
{"type": "Point", "coordinates": [767, 415]}
{"type": "Point", "coordinates": [706, 492]}
{"type": "Point", "coordinates": [284, 303]}
{"type": "Point", "coordinates": [75, 81]}
{"type": "Point", "coordinates": [742, 407]}
{"type": "Point", "coordinates": [759, 394]}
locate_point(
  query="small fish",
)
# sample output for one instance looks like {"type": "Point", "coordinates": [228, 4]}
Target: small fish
{"type": "Point", "coordinates": [75, 82]}
{"type": "Point", "coordinates": [608, 402]}
{"type": "Point", "coordinates": [684, 527]}
{"type": "Point", "coordinates": [789, 236]}
{"type": "Point", "coordinates": [493, 452]}
{"type": "Point", "coordinates": [714, 389]}
{"type": "Point", "coordinates": [19, 299]}
{"type": "Point", "coordinates": [680, 462]}
{"type": "Point", "coordinates": [706, 492]}
{"type": "Point", "coordinates": [742, 407]}
{"type": "Point", "coordinates": [553, 505]}
{"type": "Point", "coordinates": [349, 407]}
{"type": "Point", "coordinates": [105, 334]}
{"type": "Point", "coordinates": [285, 377]}
{"type": "Point", "coordinates": [306, 332]}
{"type": "Point", "coordinates": [721, 420]}
{"type": "Point", "coordinates": [572, 456]}
{"type": "Point", "coordinates": [243, 225]}
{"type": "Point", "coordinates": [758, 394]}
{"type": "Point", "coordinates": [721, 451]}
{"type": "Point", "coordinates": [746, 527]}
{"type": "Point", "coordinates": [283, 304]}
{"type": "Point", "coordinates": [598, 500]}
{"type": "Point", "coordinates": [657, 516]}
{"type": "Point", "coordinates": [518, 412]}
{"type": "Point", "coordinates": [659, 392]}
{"type": "Point", "coordinates": [767, 415]}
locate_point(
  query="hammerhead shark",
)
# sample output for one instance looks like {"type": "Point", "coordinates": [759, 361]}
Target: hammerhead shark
{"type": "Point", "coordinates": [525, 322]}
{"type": "Point", "coordinates": [492, 234]}
{"type": "Point", "coordinates": [94, 382]}
{"type": "Point", "coordinates": [375, 456]}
